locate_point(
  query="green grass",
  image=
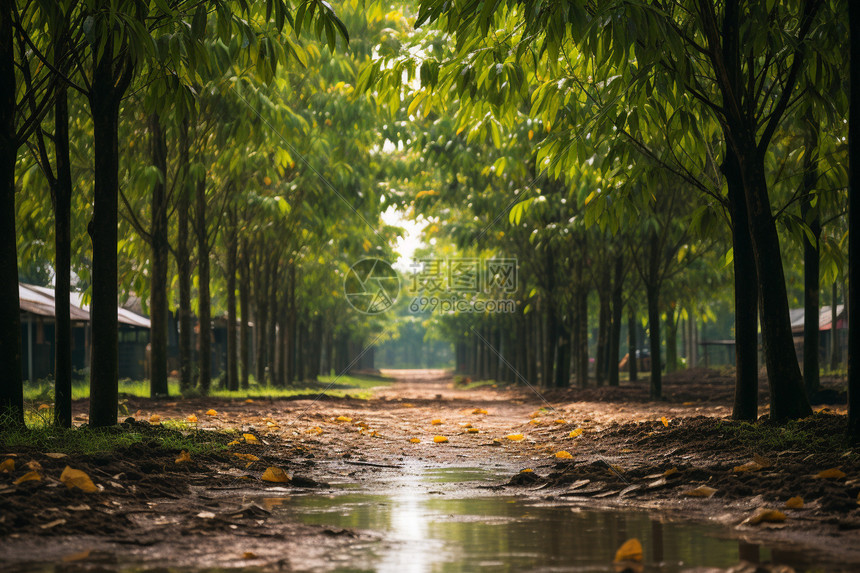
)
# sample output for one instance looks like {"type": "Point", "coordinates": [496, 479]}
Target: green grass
{"type": "Point", "coordinates": [819, 433]}
{"type": "Point", "coordinates": [90, 441]}
{"type": "Point", "coordinates": [356, 387]}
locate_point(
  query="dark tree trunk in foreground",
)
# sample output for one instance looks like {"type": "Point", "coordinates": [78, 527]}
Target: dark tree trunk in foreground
{"type": "Point", "coordinates": [615, 330]}
{"type": "Point", "coordinates": [160, 249]}
{"type": "Point", "coordinates": [203, 299]}
{"type": "Point", "coordinates": [108, 86]}
{"type": "Point", "coordinates": [632, 361]}
{"type": "Point", "coordinates": [746, 297]}
{"type": "Point", "coordinates": [671, 339]}
{"type": "Point", "coordinates": [61, 194]}
{"type": "Point", "coordinates": [811, 262]}
{"type": "Point", "coordinates": [183, 261]}
{"type": "Point", "coordinates": [854, 222]}
{"type": "Point", "coordinates": [232, 264]}
{"type": "Point", "coordinates": [11, 387]}
{"type": "Point", "coordinates": [652, 289]}
{"type": "Point", "coordinates": [245, 308]}
{"type": "Point", "coordinates": [603, 293]}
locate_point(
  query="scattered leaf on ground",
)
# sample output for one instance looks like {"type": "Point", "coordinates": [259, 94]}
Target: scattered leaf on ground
{"type": "Point", "coordinates": [563, 455]}
{"type": "Point", "coordinates": [343, 419]}
{"type": "Point", "coordinates": [575, 433]}
{"type": "Point", "coordinates": [211, 412]}
{"type": "Point", "coordinates": [670, 472]}
{"type": "Point", "coordinates": [155, 419]}
{"type": "Point", "coordinates": [515, 437]}
{"type": "Point", "coordinates": [631, 550]}
{"type": "Point", "coordinates": [560, 421]}
{"type": "Point", "coordinates": [29, 476]}
{"type": "Point", "coordinates": [534, 422]}
{"type": "Point", "coordinates": [440, 439]}
{"type": "Point", "coordinates": [795, 502]}
{"type": "Point", "coordinates": [192, 418]}
{"type": "Point", "coordinates": [315, 430]}
{"type": "Point", "coordinates": [701, 491]}
{"type": "Point", "coordinates": [246, 457]}
{"type": "Point", "coordinates": [766, 516]}
{"type": "Point", "coordinates": [250, 439]}
{"type": "Point", "coordinates": [249, 401]}
{"type": "Point", "coordinates": [77, 479]}
{"type": "Point", "coordinates": [276, 475]}
{"type": "Point", "coordinates": [56, 455]}
{"type": "Point", "coordinates": [479, 411]}
{"type": "Point", "coordinates": [665, 421]}
{"type": "Point", "coordinates": [436, 422]}
{"type": "Point", "coordinates": [752, 466]}
{"type": "Point", "coordinates": [33, 465]}
{"type": "Point", "coordinates": [249, 555]}
{"type": "Point", "coordinates": [76, 556]}
{"type": "Point", "coordinates": [184, 456]}
{"type": "Point", "coordinates": [472, 430]}
{"type": "Point", "coordinates": [414, 440]}
{"type": "Point", "coordinates": [832, 473]}
{"type": "Point", "coordinates": [527, 471]}
{"type": "Point", "coordinates": [8, 465]}
{"type": "Point", "coordinates": [234, 443]}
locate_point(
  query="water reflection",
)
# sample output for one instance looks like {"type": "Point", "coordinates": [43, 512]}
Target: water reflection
{"type": "Point", "coordinates": [426, 528]}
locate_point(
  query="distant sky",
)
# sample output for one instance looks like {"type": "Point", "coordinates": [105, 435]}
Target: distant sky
{"type": "Point", "coordinates": [410, 241]}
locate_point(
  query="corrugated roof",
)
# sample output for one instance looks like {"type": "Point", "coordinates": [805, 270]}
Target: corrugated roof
{"type": "Point", "coordinates": [40, 301]}
{"type": "Point", "coordinates": [825, 317]}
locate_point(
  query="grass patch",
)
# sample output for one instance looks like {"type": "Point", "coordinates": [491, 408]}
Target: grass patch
{"type": "Point", "coordinates": [42, 392]}
{"type": "Point", "coordinates": [91, 441]}
{"type": "Point", "coordinates": [819, 433]}
{"type": "Point", "coordinates": [465, 383]}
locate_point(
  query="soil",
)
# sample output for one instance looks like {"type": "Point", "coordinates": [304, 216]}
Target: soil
{"type": "Point", "coordinates": [631, 453]}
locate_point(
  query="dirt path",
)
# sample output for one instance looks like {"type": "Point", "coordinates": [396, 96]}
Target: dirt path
{"type": "Point", "coordinates": [619, 451]}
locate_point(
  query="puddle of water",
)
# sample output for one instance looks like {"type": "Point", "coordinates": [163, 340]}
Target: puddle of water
{"type": "Point", "coordinates": [426, 525]}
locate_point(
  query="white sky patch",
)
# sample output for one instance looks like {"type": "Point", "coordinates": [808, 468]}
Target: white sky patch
{"type": "Point", "coordinates": [410, 240]}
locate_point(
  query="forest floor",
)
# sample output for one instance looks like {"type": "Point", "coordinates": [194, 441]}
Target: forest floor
{"type": "Point", "coordinates": [681, 458]}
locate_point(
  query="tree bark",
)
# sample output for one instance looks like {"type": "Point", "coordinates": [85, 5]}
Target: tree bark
{"type": "Point", "coordinates": [12, 386]}
{"type": "Point", "coordinates": [854, 223]}
{"type": "Point", "coordinates": [615, 329]}
{"type": "Point", "coordinates": [632, 361]}
{"type": "Point", "coordinates": [158, 272]}
{"type": "Point", "coordinates": [232, 256]}
{"type": "Point", "coordinates": [746, 296]}
{"type": "Point", "coordinates": [653, 292]}
{"type": "Point", "coordinates": [183, 261]}
{"type": "Point", "coordinates": [811, 261]}
{"type": "Point", "coordinates": [245, 307]}
{"type": "Point", "coordinates": [604, 293]}
{"type": "Point", "coordinates": [107, 88]}
{"type": "Point", "coordinates": [671, 339]}
{"type": "Point", "coordinates": [204, 302]}
{"type": "Point", "coordinates": [61, 193]}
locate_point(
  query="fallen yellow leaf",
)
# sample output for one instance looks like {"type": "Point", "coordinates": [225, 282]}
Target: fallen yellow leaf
{"type": "Point", "coordinates": [246, 457]}
{"type": "Point", "coordinates": [77, 479]}
{"type": "Point", "coordinates": [766, 515]}
{"type": "Point", "coordinates": [249, 401]}
{"type": "Point", "coordinates": [184, 456]}
{"type": "Point", "coordinates": [211, 412]}
{"type": "Point", "coordinates": [436, 422]}
{"type": "Point", "coordinates": [577, 432]}
{"type": "Point", "coordinates": [701, 491]}
{"type": "Point", "coordinates": [343, 419]}
{"type": "Point", "coordinates": [155, 419]}
{"type": "Point", "coordinates": [527, 471]}
{"type": "Point", "coordinates": [560, 421]}
{"type": "Point", "coordinates": [670, 472]}
{"type": "Point", "coordinates": [440, 439]}
{"type": "Point", "coordinates": [77, 556]}
{"type": "Point", "coordinates": [534, 422]}
{"type": "Point", "coordinates": [832, 473]}
{"type": "Point", "coordinates": [752, 466]}
{"type": "Point", "coordinates": [56, 455]}
{"type": "Point", "coordinates": [276, 475]}
{"type": "Point", "coordinates": [515, 437]}
{"type": "Point", "coordinates": [315, 430]}
{"type": "Point", "coordinates": [795, 502]}
{"type": "Point", "coordinates": [479, 411]}
{"type": "Point", "coordinates": [249, 555]}
{"type": "Point", "coordinates": [472, 430]}
{"type": "Point", "coordinates": [665, 421]}
{"type": "Point", "coordinates": [414, 441]}
{"type": "Point", "coordinates": [250, 439]}
{"type": "Point", "coordinates": [44, 406]}
{"type": "Point", "coordinates": [630, 550]}
{"type": "Point", "coordinates": [408, 405]}
{"type": "Point", "coordinates": [272, 425]}
{"type": "Point", "coordinates": [192, 418]}
{"type": "Point", "coordinates": [563, 455]}
{"type": "Point", "coordinates": [234, 443]}
{"type": "Point", "coordinates": [466, 425]}
{"type": "Point", "coordinates": [8, 465]}
{"type": "Point", "coordinates": [29, 476]}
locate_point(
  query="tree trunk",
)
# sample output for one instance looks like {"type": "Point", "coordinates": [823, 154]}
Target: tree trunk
{"type": "Point", "coordinates": [787, 393]}
{"type": "Point", "coordinates": [62, 199]}
{"type": "Point", "coordinates": [12, 386]}
{"type": "Point", "coordinates": [105, 96]}
{"type": "Point", "coordinates": [835, 357]}
{"type": "Point", "coordinates": [271, 324]}
{"type": "Point", "coordinates": [746, 296]}
{"type": "Point", "coordinates": [671, 339]}
{"type": "Point", "coordinates": [183, 262]}
{"type": "Point", "coordinates": [632, 361]}
{"type": "Point", "coordinates": [615, 330]}
{"type": "Point", "coordinates": [158, 278]}
{"type": "Point", "coordinates": [811, 261]}
{"type": "Point", "coordinates": [604, 293]}
{"type": "Point", "coordinates": [583, 336]}
{"type": "Point", "coordinates": [232, 264]}
{"type": "Point", "coordinates": [654, 338]}
{"type": "Point", "coordinates": [204, 302]}
{"type": "Point", "coordinates": [245, 304]}
{"type": "Point", "coordinates": [854, 223]}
